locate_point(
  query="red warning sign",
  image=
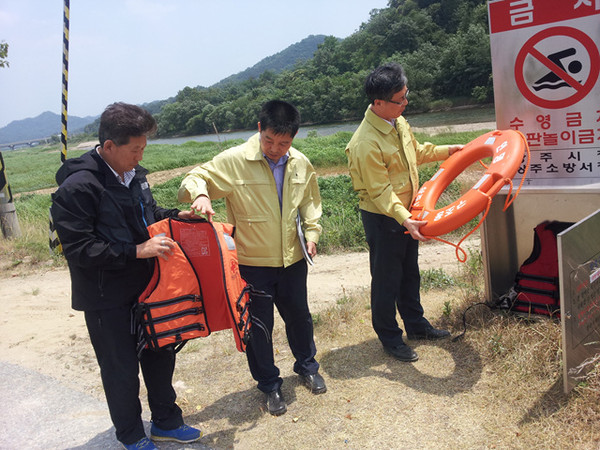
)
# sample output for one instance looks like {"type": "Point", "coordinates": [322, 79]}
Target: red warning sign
{"type": "Point", "coordinates": [569, 73]}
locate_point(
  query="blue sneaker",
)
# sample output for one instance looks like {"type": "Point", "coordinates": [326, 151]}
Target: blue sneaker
{"type": "Point", "coordinates": [142, 444]}
{"type": "Point", "coordinates": [184, 434]}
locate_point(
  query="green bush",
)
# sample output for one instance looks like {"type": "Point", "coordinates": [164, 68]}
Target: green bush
{"type": "Point", "coordinates": [341, 217]}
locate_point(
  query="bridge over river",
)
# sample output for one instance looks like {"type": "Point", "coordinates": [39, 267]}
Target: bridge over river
{"type": "Point", "coordinates": [27, 143]}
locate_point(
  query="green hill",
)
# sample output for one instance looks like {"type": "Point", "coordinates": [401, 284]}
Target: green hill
{"type": "Point", "coordinates": [284, 60]}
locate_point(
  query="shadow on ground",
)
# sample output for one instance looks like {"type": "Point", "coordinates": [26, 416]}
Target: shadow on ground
{"type": "Point", "coordinates": [366, 359]}
{"type": "Point", "coordinates": [242, 409]}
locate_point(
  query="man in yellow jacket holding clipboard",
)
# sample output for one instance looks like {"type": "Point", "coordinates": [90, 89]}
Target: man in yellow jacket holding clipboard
{"type": "Point", "coordinates": [267, 184]}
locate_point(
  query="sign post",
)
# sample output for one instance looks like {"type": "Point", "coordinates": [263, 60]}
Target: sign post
{"type": "Point", "coordinates": [546, 68]}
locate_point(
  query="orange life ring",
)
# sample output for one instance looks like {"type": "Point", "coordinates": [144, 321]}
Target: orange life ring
{"type": "Point", "coordinates": [505, 147]}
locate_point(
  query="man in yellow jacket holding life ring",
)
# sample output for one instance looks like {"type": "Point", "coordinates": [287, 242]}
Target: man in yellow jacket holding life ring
{"type": "Point", "coordinates": [383, 156]}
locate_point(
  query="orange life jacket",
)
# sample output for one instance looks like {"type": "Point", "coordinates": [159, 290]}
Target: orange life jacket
{"type": "Point", "coordinates": [198, 290]}
{"type": "Point", "coordinates": [536, 282]}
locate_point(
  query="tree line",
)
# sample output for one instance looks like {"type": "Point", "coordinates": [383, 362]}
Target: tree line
{"type": "Point", "coordinates": [443, 46]}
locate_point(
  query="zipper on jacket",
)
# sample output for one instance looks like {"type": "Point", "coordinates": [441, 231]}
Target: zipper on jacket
{"type": "Point", "coordinates": [101, 282]}
{"type": "Point", "coordinates": [143, 211]}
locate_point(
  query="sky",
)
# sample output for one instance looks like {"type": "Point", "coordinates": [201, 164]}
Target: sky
{"type": "Point", "coordinates": [138, 51]}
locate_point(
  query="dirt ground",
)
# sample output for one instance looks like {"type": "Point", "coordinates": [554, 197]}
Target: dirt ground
{"type": "Point", "coordinates": [40, 331]}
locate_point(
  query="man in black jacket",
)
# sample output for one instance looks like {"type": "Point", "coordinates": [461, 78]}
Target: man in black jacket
{"type": "Point", "coordinates": [101, 210]}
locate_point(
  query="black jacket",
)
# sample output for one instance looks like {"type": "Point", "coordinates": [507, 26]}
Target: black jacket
{"type": "Point", "coordinates": [99, 222]}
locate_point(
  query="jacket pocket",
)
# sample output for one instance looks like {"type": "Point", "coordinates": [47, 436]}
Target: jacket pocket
{"type": "Point", "coordinates": [297, 188]}
{"type": "Point", "coordinates": [258, 223]}
{"type": "Point", "coordinates": [251, 192]}
{"type": "Point", "coordinates": [254, 236]}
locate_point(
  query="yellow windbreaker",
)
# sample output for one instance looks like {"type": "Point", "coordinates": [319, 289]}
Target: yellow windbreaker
{"type": "Point", "coordinates": [265, 236]}
{"type": "Point", "coordinates": [383, 161]}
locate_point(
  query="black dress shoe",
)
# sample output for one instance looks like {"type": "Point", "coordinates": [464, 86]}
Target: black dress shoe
{"type": "Point", "coordinates": [431, 334]}
{"type": "Point", "coordinates": [402, 352]}
{"type": "Point", "coordinates": [275, 403]}
{"type": "Point", "coordinates": [314, 382]}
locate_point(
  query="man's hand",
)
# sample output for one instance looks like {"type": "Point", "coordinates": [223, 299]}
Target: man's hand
{"type": "Point", "coordinates": [311, 249]}
{"type": "Point", "coordinates": [454, 148]}
{"type": "Point", "coordinates": [413, 226]}
{"type": "Point", "coordinates": [188, 214]}
{"type": "Point", "coordinates": [202, 205]}
{"type": "Point", "coordinates": [160, 246]}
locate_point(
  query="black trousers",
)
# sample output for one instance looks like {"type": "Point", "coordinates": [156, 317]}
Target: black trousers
{"type": "Point", "coordinates": [287, 286]}
{"type": "Point", "coordinates": [115, 348]}
{"type": "Point", "coordinates": [395, 278]}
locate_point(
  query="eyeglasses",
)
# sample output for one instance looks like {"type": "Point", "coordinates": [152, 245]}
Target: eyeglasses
{"type": "Point", "coordinates": [405, 99]}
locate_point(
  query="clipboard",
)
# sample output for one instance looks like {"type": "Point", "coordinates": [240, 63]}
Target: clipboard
{"type": "Point", "coordinates": [307, 257]}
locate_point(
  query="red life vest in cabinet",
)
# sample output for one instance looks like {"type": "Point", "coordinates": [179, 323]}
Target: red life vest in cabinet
{"type": "Point", "coordinates": [198, 290]}
{"type": "Point", "coordinates": [536, 282]}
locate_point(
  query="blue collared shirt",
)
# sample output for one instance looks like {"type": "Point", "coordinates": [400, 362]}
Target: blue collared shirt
{"type": "Point", "coordinates": [278, 170]}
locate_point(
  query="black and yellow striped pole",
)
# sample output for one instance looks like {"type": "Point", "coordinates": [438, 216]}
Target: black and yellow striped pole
{"type": "Point", "coordinates": [53, 240]}
{"type": "Point", "coordinates": [65, 81]}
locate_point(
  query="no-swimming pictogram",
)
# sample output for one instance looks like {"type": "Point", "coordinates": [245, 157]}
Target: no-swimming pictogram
{"type": "Point", "coordinates": [569, 72]}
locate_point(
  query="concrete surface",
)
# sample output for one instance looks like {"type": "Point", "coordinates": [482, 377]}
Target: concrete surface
{"type": "Point", "coordinates": [38, 412]}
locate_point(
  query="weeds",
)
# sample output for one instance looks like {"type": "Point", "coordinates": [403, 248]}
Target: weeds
{"type": "Point", "coordinates": [447, 309]}
{"type": "Point", "coordinates": [495, 345]}
{"type": "Point", "coordinates": [436, 279]}
{"type": "Point", "coordinates": [336, 321]}
{"type": "Point", "coordinates": [471, 277]}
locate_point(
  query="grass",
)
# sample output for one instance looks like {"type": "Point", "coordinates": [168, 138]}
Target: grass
{"type": "Point", "coordinates": [341, 217]}
{"type": "Point", "coordinates": [518, 391]}
{"type": "Point", "coordinates": [32, 169]}
{"type": "Point", "coordinates": [436, 279]}
{"type": "Point", "coordinates": [44, 161]}
{"type": "Point", "coordinates": [325, 151]}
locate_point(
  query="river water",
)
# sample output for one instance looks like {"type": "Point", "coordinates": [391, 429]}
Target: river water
{"type": "Point", "coordinates": [322, 130]}
{"type": "Point", "coordinates": [469, 116]}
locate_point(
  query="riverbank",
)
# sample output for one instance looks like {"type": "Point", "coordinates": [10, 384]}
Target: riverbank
{"type": "Point", "coordinates": [321, 130]}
